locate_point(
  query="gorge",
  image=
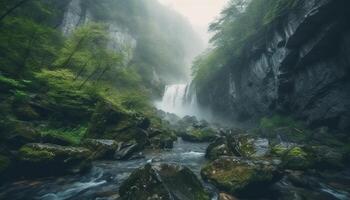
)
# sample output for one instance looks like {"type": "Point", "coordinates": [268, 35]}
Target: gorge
{"type": "Point", "coordinates": [121, 100]}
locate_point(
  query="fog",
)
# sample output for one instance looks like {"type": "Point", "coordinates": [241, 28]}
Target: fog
{"type": "Point", "coordinates": [200, 13]}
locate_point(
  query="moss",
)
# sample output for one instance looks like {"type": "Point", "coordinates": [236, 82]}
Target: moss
{"type": "Point", "coordinates": [71, 136]}
{"type": "Point", "coordinates": [34, 155]}
{"type": "Point", "coordinates": [199, 134]}
{"type": "Point", "coordinates": [278, 150]}
{"type": "Point", "coordinates": [4, 163]}
{"type": "Point", "coordinates": [7, 83]}
{"type": "Point", "coordinates": [296, 159]}
{"type": "Point", "coordinates": [237, 176]}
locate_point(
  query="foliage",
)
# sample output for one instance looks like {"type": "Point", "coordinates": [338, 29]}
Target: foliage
{"type": "Point", "coordinates": [27, 40]}
{"type": "Point", "coordinates": [72, 136]}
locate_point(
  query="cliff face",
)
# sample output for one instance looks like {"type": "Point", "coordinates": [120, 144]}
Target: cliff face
{"type": "Point", "coordinates": [303, 70]}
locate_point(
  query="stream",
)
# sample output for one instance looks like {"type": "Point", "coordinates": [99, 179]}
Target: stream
{"type": "Point", "coordinates": [105, 178]}
{"type": "Point", "coordinates": [103, 181]}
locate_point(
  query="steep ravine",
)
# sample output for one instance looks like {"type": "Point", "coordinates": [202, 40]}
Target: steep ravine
{"type": "Point", "coordinates": [303, 70]}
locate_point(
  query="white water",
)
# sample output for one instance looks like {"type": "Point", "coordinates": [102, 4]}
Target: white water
{"type": "Point", "coordinates": [179, 100]}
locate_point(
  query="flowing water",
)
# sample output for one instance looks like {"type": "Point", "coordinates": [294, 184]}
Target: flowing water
{"type": "Point", "coordinates": [103, 181]}
{"type": "Point", "coordinates": [180, 99]}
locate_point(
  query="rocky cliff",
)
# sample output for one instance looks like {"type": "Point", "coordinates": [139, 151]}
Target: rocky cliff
{"type": "Point", "coordinates": [302, 69]}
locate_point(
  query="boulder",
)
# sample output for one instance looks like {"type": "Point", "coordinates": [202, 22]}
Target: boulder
{"type": "Point", "coordinates": [163, 182]}
{"type": "Point", "coordinates": [194, 134]}
{"type": "Point", "coordinates": [101, 149]}
{"type": "Point", "coordinates": [162, 142]}
{"type": "Point", "coordinates": [296, 159]}
{"type": "Point", "coordinates": [243, 145]}
{"type": "Point", "coordinates": [49, 159]}
{"type": "Point", "coordinates": [125, 151]}
{"type": "Point", "coordinates": [240, 177]}
{"type": "Point", "coordinates": [224, 196]}
{"type": "Point", "coordinates": [324, 157]}
{"type": "Point", "coordinates": [15, 134]}
{"type": "Point", "coordinates": [218, 148]}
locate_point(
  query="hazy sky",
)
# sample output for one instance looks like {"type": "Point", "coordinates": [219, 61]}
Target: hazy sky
{"type": "Point", "coordinates": [199, 12]}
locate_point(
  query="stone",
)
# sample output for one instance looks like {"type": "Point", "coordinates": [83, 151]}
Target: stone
{"type": "Point", "coordinates": [125, 150]}
{"type": "Point", "coordinates": [49, 159]}
{"type": "Point", "coordinates": [193, 134]}
{"type": "Point", "coordinates": [163, 181]}
{"type": "Point", "coordinates": [240, 177]}
{"type": "Point", "coordinates": [297, 159]}
{"type": "Point", "coordinates": [102, 149]}
{"type": "Point", "coordinates": [224, 196]}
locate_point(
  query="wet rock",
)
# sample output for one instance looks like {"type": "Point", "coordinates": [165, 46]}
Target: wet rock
{"type": "Point", "coordinates": [49, 159]}
{"type": "Point", "coordinates": [218, 148]}
{"type": "Point", "coordinates": [297, 159]}
{"type": "Point", "coordinates": [240, 177]}
{"type": "Point", "coordinates": [163, 182]}
{"type": "Point", "coordinates": [15, 134]}
{"type": "Point", "coordinates": [124, 151]}
{"type": "Point", "coordinates": [199, 134]}
{"type": "Point", "coordinates": [324, 157]}
{"type": "Point", "coordinates": [242, 145]}
{"type": "Point", "coordinates": [102, 149]}
{"type": "Point", "coordinates": [224, 196]}
{"type": "Point", "coordinates": [162, 142]}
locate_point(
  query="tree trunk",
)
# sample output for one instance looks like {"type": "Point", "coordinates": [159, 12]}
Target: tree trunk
{"type": "Point", "coordinates": [88, 78]}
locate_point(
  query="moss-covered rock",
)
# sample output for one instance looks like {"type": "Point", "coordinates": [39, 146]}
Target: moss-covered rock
{"type": "Point", "coordinates": [14, 133]}
{"type": "Point", "coordinates": [218, 148]}
{"type": "Point", "coordinates": [25, 111]}
{"type": "Point", "coordinates": [323, 157]}
{"type": "Point", "coordinates": [5, 163]}
{"type": "Point", "coordinates": [101, 149]}
{"type": "Point", "coordinates": [125, 150]}
{"type": "Point", "coordinates": [198, 134]}
{"type": "Point", "coordinates": [242, 145]}
{"type": "Point", "coordinates": [297, 159]}
{"type": "Point", "coordinates": [240, 177]}
{"type": "Point", "coordinates": [112, 122]}
{"type": "Point", "coordinates": [163, 182]}
{"type": "Point", "coordinates": [49, 159]}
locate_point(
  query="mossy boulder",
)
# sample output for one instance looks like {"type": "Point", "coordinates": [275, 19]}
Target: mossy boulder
{"type": "Point", "coordinates": [198, 134]}
{"type": "Point", "coordinates": [242, 145]}
{"type": "Point", "coordinates": [5, 163]}
{"type": "Point", "coordinates": [25, 111]}
{"type": "Point", "coordinates": [100, 148]}
{"type": "Point", "coordinates": [14, 133]}
{"type": "Point", "coordinates": [296, 159]}
{"type": "Point", "coordinates": [324, 157]}
{"type": "Point", "coordinates": [240, 177]}
{"type": "Point", "coordinates": [112, 122]}
{"type": "Point", "coordinates": [162, 142]}
{"type": "Point", "coordinates": [218, 148]}
{"type": "Point", "coordinates": [126, 150]}
{"type": "Point", "coordinates": [49, 159]}
{"type": "Point", "coordinates": [163, 182]}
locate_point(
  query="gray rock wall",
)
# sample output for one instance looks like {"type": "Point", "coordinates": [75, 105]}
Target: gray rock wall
{"type": "Point", "coordinates": [303, 70]}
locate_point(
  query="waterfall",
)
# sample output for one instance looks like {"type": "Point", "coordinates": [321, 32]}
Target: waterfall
{"type": "Point", "coordinates": [179, 99]}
